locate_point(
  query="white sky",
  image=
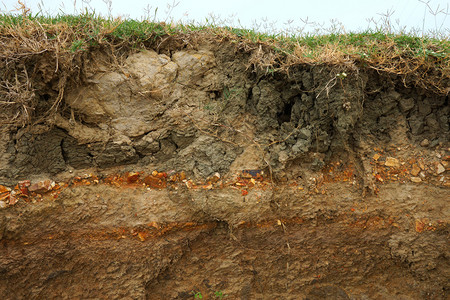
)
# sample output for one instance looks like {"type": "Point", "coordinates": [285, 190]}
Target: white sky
{"type": "Point", "coordinates": [262, 14]}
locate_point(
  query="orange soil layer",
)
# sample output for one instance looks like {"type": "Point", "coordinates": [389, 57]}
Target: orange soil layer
{"type": "Point", "coordinates": [384, 170]}
{"type": "Point", "coordinates": [154, 230]}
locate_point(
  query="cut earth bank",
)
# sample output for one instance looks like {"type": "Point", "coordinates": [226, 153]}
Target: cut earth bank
{"type": "Point", "coordinates": [181, 171]}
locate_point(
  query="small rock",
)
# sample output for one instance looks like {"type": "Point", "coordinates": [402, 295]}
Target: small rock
{"type": "Point", "coordinates": [2, 204]}
{"type": "Point", "coordinates": [189, 184]}
{"type": "Point", "coordinates": [416, 179]}
{"type": "Point", "coordinates": [42, 186]}
{"type": "Point", "coordinates": [392, 162]}
{"type": "Point", "coordinates": [132, 177]}
{"type": "Point", "coordinates": [4, 189]}
{"type": "Point", "coordinates": [23, 186]}
{"type": "Point", "coordinates": [154, 182]}
{"type": "Point", "coordinates": [440, 169]}
{"type": "Point", "coordinates": [215, 178]}
{"type": "Point", "coordinates": [421, 165]}
{"type": "Point", "coordinates": [422, 175]}
{"type": "Point", "coordinates": [12, 200]}
{"type": "Point", "coordinates": [420, 225]}
{"type": "Point", "coordinates": [425, 143]}
{"type": "Point", "coordinates": [415, 170]}
{"type": "Point", "coordinates": [376, 156]}
{"type": "Point", "coordinates": [251, 173]}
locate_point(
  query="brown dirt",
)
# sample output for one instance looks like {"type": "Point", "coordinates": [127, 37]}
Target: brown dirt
{"type": "Point", "coordinates": [345, 194]}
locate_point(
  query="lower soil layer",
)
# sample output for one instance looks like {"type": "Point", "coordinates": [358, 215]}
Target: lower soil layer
{"type": "Point", "coordinates": [126, 241]}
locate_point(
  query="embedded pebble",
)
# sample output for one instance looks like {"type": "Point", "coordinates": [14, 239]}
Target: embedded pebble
{"type": "Point", "coordinates": [415, 170]}
{"type": "Point", "coordinates": [416, 179]}
{"type": "Point", "coordinates": [425, 143]}
{"type": "Point", "coordinates": [392, 162]}
{"type": "Point", "coordinates": [440, 169]}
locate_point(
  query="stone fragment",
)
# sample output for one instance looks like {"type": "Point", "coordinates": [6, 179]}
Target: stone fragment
{"type": "Point", "coordinates": [4, 189]}
{"type": "Point", "coordinates": [256, 173]}
{"type": "Point", "coordinates": [425, 143]}
{"type": "Point", "coordinates": [154, 182]}
{"type": "Point", "coordinates": [4, 196]}
{"type": "Point", "coordinates": [2, 204]}
{"type": "Point", "coordinates": [23, 186]}
{"type": "Point", "coordinates": [132, 177]}
{"type": "Point", "coordinates": [416, 179]}
{"type": "Point", "coordinates": [392, 162]}
{"type": "Point", "coordinates": [42, 186]}
{"type": "Point", "coordinates": [12, 200]}
{"type": "Point", "coordinates": [421, 165]}
{"type": "Point", "coordinates": [420, 225]}
{"type": "Point", "coordinates": [376, 156]}
{"type": "Point", "coordinates": [214, 178]}
{"type": "Point", "coordinates": [415, 170]}
{"type": "Point", "coordinates": [440, 168]}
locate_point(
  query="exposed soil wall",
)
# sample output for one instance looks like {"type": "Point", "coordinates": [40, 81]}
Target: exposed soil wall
{"type": "Point", "coordinates": [169, 172]}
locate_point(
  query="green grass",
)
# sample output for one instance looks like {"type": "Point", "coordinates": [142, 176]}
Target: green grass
{"type": "Point", "coordinates": [89, 27]}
